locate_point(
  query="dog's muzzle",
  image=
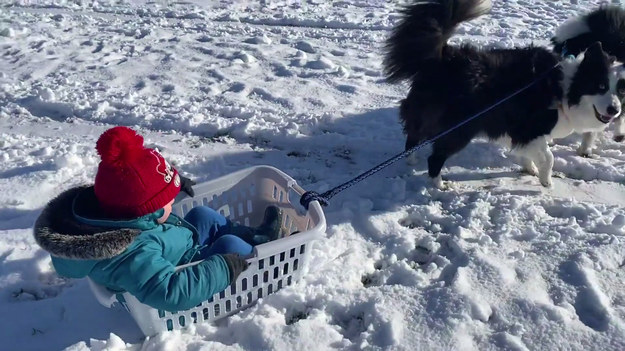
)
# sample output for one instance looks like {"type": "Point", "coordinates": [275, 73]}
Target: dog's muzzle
{"type": "Point", "coordinates": [605, 118]}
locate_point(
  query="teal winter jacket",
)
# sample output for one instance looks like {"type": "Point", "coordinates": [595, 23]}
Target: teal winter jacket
{"type": "Point", "coordinates": [137, 255]}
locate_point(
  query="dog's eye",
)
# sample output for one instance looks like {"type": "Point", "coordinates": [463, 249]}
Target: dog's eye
{"type": "Point", "coordinates": [601, 86]}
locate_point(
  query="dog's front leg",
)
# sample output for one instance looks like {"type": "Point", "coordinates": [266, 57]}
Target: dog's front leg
{"type": "Point", "coordinates": [619, 134]}
{"type": "Point", "coordinates": [585, 149]}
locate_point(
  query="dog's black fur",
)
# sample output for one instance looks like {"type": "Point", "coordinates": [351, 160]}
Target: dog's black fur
{"type": "Point", "coordinates": [606, 25]}
{"type": "Point", "coordinates": [450, 83]}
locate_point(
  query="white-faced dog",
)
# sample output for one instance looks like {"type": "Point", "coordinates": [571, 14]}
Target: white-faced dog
{"type": "Point", "coordinates": [606, 25]}
{"type": "Point", "coordinates": [449, 83]}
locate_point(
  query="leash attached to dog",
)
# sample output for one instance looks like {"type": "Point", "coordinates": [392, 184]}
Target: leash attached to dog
{"type": "Point", "coordinates": [324, 199]}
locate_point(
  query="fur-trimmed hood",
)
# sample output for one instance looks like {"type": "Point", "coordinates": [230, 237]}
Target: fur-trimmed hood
{"type": "Point", "coordinates": [58, 231]}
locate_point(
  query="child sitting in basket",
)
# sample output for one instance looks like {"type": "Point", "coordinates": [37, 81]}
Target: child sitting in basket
{"type": "Point", "coordinates": [121, 232]}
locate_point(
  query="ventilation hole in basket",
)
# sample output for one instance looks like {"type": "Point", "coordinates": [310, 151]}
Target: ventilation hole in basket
{"type": "Point", "coordinates": [228, 306]}
{"type": "Point", "coordinates": [240, 209]}
{"type": "Point", "coordinates": [205, 313]}
{"type": "Point", "coordinates": [185, 209]}
{"type": "Point", "coordinates": [287, 221]}
{"type": "Point", "coordinates": [252, 189]}
{"type": "Point", "coordinates": [293, 228]}
{"type": "Point", "coordinates": [230, 212]}
{"type": "Point", "coordinates": [250, 298]}
{"type": "Point", "coordinates": [281, 195]}
{"type": "Point", "coordinates": [244, 284]}
{"type": "Point", "coordinates": [215, 200]}
{"type": "Point", "coordinates": [280, 285]}
{"type": "Point", "coordinates": [222, 294]}
{"type": "Point", "coordinates": [222, 212]}
{"type": "Point", "coordinates": [205, 201]}
{"type": "Point", "coordinates": [302, 249]}
{"type": "Point", "coordinates": [261, 264]}
{"type": "Point", "coordinates": [233, 289]}
{"type": "Point", "coordinates": [272, 260]}
{"type": "Point", "coordinates": [270, 289]}
{"type": "Point", "coordinates": [194, 317]}
{"type": "Point", "coordinates": [265, 276]}
{"type": "Point", "coordinates": [170, 325]}
{"type": "Point", "coordinates": [194, 203]}
{"type": "Point", "coordinates": [276, 272]}
{"type": "Point", "coordinates": [181, 321]}
{"type": "Point", "coordinates": [295, 264]}
{"type": "Point", "coordinates": [289, 280]}
{"type": "Point", "coordinates": [255, 280]}
{"type": "Point", "coordinates": [199, 304]}
{"type": "Point", "coordinates": [210, 300]}
{"type": "Point", "coordinates": [249, 206]}
{"type": "Point", "coordinates": [260, 293]}
{"type": "Point", "coordinates": [246, 221]}
{"type": "Point", "coordinates": [286, 268]}
{"type": "Point", "coordinates": [275, 192]}
{"type": "Point", "coordinates": [282, 256]}
{"type": "Point", "coordinates": [161, 313]}
{"type": "Point", "coordinates": [292, 253]}
{"type": "Point", "coordinates": [239, 302]}
{"type": "Point", "coordinates": [217, 311]}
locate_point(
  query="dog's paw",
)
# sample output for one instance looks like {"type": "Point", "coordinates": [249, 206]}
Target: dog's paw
{"type": "Point", "coordinates": [619, 138]}
{"type": "Point", "coordinates": [584, 152]}
{"type": "Point", "coordinates": [443, 185]}
{"type": "Point", "coordinates": [533, 171]}
{"type": "Point", "coordinates": [546, 182]}
{"type": "Point", "coordinates": [412, 159]}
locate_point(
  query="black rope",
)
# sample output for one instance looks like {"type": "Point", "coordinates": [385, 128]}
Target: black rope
{"type": "Point", "coordinates": [324, 199]}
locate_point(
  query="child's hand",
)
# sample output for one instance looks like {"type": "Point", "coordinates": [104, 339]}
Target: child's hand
{"type": "Point", "coordinates": [186, 185]}
{"type": "Point", "coordinates": [236, 265]}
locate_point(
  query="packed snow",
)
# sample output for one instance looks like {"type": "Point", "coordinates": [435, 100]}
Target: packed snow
{"type": "Point", "coordinates": [496, 263]}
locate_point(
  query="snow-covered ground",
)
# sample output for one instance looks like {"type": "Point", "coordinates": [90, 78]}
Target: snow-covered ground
{"type": "Point", "coordinates": [496, 263]}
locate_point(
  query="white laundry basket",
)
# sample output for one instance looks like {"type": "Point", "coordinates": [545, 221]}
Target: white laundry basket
{"type": "Point", "coordinates": [242, 197]}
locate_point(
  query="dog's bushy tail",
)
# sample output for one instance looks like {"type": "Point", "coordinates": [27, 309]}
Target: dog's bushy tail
{"type": "Point", "coordinates": [423, 32]}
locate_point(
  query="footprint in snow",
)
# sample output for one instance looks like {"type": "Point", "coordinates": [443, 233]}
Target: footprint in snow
{"type": "Point", "coordinates": [591, 304]}
{"type": "Point", "coordinates": [259, 40]}
{"type": "Point", "coordinates": [281, 70]}
{"type": "Point", "coordinates": [321, 63]}
{"type": "Point", "coordinates": [305, 46]}
{"type": "Point", "coordinates": [204, 39]}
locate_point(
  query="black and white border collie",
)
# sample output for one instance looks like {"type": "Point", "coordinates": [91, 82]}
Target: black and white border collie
{"type": "Point", "coordinates": [449, 83]}
{"type": "Point", "coordinates": [606, 25]}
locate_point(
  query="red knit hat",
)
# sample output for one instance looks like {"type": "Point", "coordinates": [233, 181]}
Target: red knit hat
{"type": "Point", "coordinates": [132, 180]}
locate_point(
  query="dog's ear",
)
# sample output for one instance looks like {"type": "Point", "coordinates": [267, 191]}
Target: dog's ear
{"type": "Point", "coordinates": [595, 49]}
{"type": "Point", "coordinates": [595, 55]}
{"type": "Point", "coordinates": [596, 46]}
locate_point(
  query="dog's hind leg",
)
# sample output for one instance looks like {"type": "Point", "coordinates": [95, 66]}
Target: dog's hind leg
{"type": "Point", "coordinates": [538, 151]}
{"type": "Point", "coordinates": [441, 151]}
{"type": "Point", "coordinates": [585, 149]}
{"type": "Point", "coordinates": [619, 134]}
{"type": "Point", "coordinates": [411, 142]}
{"type": "Point", "coordinates": [410, 117]}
